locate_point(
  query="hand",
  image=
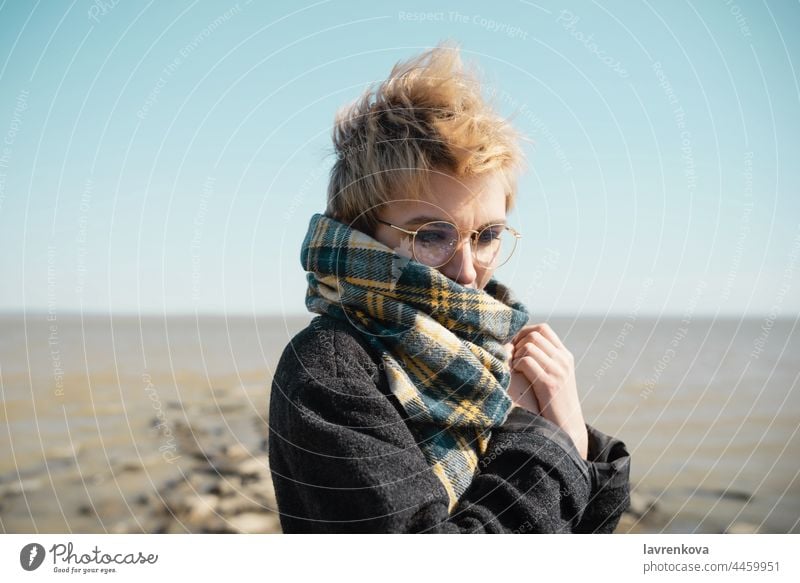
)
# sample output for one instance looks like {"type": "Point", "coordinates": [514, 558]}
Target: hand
{"type": "Point", "coordinates": [549, 367]}
{"type": "Point", "coordinates": [520, 390]}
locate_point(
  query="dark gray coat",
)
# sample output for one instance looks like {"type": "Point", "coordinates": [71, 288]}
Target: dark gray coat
{"type": "Point", "coordinates": [344, 460]}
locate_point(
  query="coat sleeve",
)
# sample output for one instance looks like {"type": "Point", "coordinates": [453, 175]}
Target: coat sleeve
{"type": "Point", "coordinates": [608, 467]}
{"type": "Point", "coordinates": [343, 460]}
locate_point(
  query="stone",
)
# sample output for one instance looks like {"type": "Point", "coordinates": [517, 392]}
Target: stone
{"type": "Point", "coordinates": [20, 486]}
{"type": "Point", "coordinates": [642, 504]}
{"type": "Point", "coordinates": [204, 483]}
{"type": "Point", "coordinates": [227, 406]}
{"type": "Point", "coordinates": [236, 452]}
{"type": "Point", "coordinates": [141, 499]}
{"type": "Point", "coordinates": [254, 523]}
{"type": "Point", "coordinates": [237, 504]}
{"type": "Point", "coordinates": [200, 509]}
{"type": "Point", "coordinates": [253, 467]}
{"type": "Point", "coordinates": [227, 486]}
{"type": "Point", "coordinates": [67, 452]}
{"type": "Point", "coordinates": [176, 527]}
{"type": "Point", "coordinates": [742, 528]}
{"type": "Point", "coordinates": [129, 526]}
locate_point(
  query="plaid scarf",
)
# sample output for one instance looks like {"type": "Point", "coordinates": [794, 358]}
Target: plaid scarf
{"type": "Point", "coordinates": [442, 344]}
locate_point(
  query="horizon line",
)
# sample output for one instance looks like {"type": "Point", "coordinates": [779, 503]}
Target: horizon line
{"type": "Point", "coordinates": [239, 314]}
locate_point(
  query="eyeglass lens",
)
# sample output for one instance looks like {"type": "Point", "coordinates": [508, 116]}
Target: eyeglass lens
{"type": "Point", "coordinates": [436, 243]}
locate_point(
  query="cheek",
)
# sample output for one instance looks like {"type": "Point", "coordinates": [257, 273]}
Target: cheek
{"type": "Point", "coordinates": [484, 275]}
{"type": "Point", "coordinates": [387, 239]}
{"type": "Point", "coordinates": [390, 238]}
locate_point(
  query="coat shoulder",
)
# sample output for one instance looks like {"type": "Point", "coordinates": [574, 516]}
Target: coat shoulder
{"type": "Point", "coordinates": [329, 348]}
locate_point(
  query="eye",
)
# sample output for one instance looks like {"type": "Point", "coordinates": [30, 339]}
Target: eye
{"type": "Point", "coordinates": [432, 237]}
{"type": "Point", "coordinates": [490, 235]}
{"type": "Point", "coordinates": [437, 234]}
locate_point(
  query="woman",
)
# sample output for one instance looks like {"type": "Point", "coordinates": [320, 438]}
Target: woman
{"type": "Point", "coordinates": [418, 400]}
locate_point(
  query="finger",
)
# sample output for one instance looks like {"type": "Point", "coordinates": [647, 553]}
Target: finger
{"type": "Point", "coordinates": [519, 335]}
{"type": "Point", "coordinates": [537, 354]}
{"type": "Point", "coordinates": [537, 339]}
{"type": "Point", "coordinates": [529, 339]}
{"type": "Point", "coordinates": [533, 371]}
{"type": "Point", "coordinates": [523, 332]}
{"type": "Point", "coordinates": [528, 366]}
{"type": "Point", "coordinates": [549, 333]}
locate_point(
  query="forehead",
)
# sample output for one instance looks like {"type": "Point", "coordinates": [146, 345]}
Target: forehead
{"type": "Point", "coordinates": [466, 201]}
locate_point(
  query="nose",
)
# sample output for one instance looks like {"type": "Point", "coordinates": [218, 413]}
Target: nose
{"type": "Point", "coordinates": [461, 267]}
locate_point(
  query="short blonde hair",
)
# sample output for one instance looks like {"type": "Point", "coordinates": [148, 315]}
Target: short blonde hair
{"type": "Point", "coordinates": [427, 116]}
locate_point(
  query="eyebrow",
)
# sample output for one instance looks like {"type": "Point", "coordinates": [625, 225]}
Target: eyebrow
{"type": "Point", "coordinates": [419, 220]}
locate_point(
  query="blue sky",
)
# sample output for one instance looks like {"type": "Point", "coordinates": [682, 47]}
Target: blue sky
{"type": "Point", "coordinates": [166, 157]}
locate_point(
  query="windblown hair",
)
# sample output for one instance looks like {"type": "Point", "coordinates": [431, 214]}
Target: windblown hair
{"type": "Point", "coordinates": [428, 116]}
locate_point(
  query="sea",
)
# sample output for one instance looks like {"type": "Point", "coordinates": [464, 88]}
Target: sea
{"type": "Point", "coordinates": [708, 407]}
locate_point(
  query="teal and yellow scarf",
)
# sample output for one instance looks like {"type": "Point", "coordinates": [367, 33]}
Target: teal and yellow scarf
{"type": "Point", "coordinates": [442, 344]}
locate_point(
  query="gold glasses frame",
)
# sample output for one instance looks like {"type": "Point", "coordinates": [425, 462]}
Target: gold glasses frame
{"type": "Point", "coordinates": [473, 239]}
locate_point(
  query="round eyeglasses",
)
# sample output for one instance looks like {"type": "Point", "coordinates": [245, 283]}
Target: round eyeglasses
{"type": "Point", "coordinates": [435, 243]}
